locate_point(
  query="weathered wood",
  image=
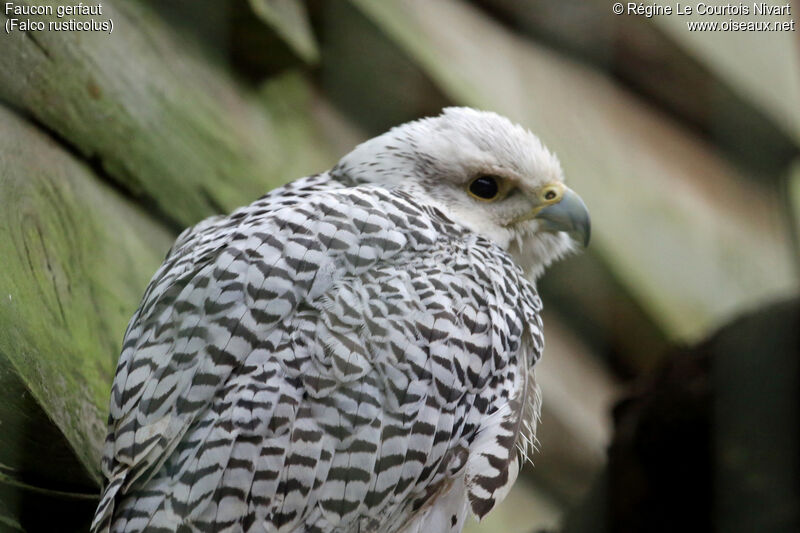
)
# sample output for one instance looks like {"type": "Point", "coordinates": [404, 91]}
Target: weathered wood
{"type": "Point", "coordinates": [378, 86]}
{"type": "Point", "coordinates": [170, 127]}
{"type": "Point", "coordinates": [603, 313]}
{"type": "Point", "coordinates": [236, 37]}
{"type": "Point", "coordinates": [312, 136]}
{"type": "Point", "coordinates": [763, 66]}
{"type": "Point", "coordinates": [76, 257]}
{"type": "Point", "coordinates": [289, 19]}
{"type": "Point", "coordinates": [793, 200]}
{"type": "Point", "coordinates": [575, 429]}
{"type": "Point", "coordinates": [659, 66]}
{"type": "Point", "coordinates": [685, 233]}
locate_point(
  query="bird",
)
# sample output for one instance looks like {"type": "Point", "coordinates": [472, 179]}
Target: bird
{"type": "Point", "coordinates": [353, 351]}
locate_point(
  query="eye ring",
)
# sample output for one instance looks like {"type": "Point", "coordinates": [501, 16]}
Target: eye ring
{"type": "Point", "coordinates": [485, 187]}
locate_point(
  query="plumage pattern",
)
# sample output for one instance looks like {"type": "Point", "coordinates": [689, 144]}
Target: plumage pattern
{"type": "Point", "coordinates": [332, 357]}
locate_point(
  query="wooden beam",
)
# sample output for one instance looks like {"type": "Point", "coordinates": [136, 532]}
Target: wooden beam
{"type": "Point", "coordinates": [762, 66]}
{"type": "Point", "coordinates": [578, 394]}
{"type": "Point", "coordinates": [793, 201]}
{"type": "Point", "coordinates": [667, 67]}
{"type": "Point", "coordinates": [170, 127]}
{"type": "Point", "coordinates": [76, 259]}
{"type": "Point", "coordinates": [289, 19]}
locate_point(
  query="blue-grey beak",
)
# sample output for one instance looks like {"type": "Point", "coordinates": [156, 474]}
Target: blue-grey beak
{"type": "Point", "coordinates": [569, 215]}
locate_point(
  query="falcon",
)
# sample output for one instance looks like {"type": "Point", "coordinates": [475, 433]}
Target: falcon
{"type": "Point", "coordinates": [353, 351]}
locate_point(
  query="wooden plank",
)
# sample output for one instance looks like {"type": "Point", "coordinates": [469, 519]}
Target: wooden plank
{"type": "Point", "coordinates": [578, 393]}
{"type": "Point", "coordinates": [289, 19]}
{"type": "Point", "coordinates": [376, 85]}
{"type": "Point", "coordinates": [76, 259]}
{"type": "Point", "coordinates": [603, 313]}
{"type": "Point", "coordinates": [793, 200]}
{"type": "Point", "coordinates": [763, 66]}
{"type": "Point", "coordinates": [234, 35]}
{"type": "Point", "coordinates": [169, 126]}
{"type": "Point", "coordinates": [638, 51]}
{"type": "Point", "coordinates": [311, 135]}
{"type": "Point", "coordinates": [682, 229]}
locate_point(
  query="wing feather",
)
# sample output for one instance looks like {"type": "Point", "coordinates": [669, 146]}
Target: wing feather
{"type": "Point", "coordinates": [316, 361]}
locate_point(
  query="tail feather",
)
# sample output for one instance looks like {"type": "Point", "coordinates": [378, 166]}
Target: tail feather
{"type": "Point", "coordinates": [105, 510]}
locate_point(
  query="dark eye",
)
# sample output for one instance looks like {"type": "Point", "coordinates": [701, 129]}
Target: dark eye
{"type": "Point", "coordinates": [485, 187]}
{"type": "Point", "coordinates": [550, 195]}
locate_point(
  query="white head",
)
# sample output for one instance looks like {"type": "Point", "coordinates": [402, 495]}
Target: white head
{"type": "Point", "coordinates": [487, 173]}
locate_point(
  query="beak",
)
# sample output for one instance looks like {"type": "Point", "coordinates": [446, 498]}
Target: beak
{"type": "Point", "coordinates": [569, 215]}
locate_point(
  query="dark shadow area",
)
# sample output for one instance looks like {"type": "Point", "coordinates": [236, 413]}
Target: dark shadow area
{"type": "Point", "coordinates": [47, 489]}
{"type": "Point", "coordinates": [710, 441]}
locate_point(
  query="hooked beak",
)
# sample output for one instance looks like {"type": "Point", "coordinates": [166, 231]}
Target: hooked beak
{"type": "Point", "coordinates": [569, 215]}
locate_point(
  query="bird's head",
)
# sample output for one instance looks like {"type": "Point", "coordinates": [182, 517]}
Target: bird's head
{"type": "Point", "coordinates": [487, 173]}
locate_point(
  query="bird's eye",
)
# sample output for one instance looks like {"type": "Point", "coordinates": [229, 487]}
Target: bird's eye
{"type": "Point", "coordinates": [551, 194]}
{"type": "Point", "coordinates": [485, 187]}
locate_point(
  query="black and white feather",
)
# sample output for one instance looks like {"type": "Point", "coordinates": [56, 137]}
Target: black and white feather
{"type": "Point", "coordinates": [353, 351]}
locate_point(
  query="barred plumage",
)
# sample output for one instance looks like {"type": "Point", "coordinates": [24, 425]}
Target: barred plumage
{"type": "Point", "coordinates": [340, 355]}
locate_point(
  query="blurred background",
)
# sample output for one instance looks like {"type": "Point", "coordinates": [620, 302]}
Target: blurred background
{"type": "Point", "coordinates": [671, 375]}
